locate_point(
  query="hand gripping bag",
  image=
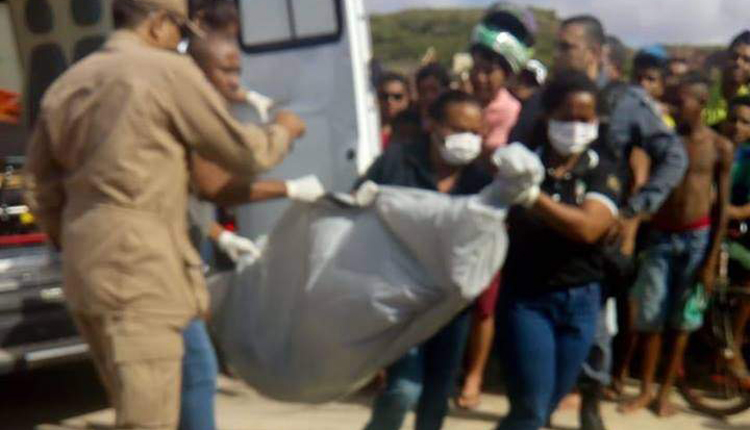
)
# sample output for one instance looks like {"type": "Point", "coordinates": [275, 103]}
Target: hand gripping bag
{"type": "Point", "coordinates": [342, 291]}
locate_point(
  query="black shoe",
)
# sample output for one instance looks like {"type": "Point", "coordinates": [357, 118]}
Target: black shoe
{"type": "Point", "coordinates": [590, 414]}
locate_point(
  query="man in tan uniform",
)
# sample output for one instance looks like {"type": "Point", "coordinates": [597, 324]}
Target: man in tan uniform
{"type": "Point", "coordinates": [107, 176]}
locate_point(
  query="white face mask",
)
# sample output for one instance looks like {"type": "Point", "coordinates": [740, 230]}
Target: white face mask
{"type": "Point", "coordinates": [460, 149]}
{"type": "Point", "coordinates": [571, 137]}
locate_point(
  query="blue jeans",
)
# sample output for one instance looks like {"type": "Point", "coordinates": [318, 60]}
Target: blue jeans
{"type": "Point", "coordinates": [424, 378]}
{"type": "Point", "coordinates": [598, 365]}
{"type": "Point", "coordinates": [199, 372]}
{"type": "Point", "coordinates": [666, 277]}
{"type": "Point", "coordinates": [547, 338]}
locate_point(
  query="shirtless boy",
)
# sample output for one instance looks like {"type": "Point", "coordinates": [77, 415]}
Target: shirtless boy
{"type": "Point", "coordinates": [683, 246]}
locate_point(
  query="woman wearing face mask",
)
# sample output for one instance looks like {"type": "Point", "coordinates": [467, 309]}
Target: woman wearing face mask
{"type": "Point", "coordinates": [554, 268]}
{"type": "Point", "coordinates": [442, 160]}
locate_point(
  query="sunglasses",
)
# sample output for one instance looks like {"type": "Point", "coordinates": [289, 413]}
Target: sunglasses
{"type": "Point", "coordinates": [392, 96]}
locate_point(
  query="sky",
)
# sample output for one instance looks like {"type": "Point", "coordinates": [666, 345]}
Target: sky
{"type": "Point", "coordinates": [636, 22]}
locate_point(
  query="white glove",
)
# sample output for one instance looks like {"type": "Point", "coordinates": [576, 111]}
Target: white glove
{"type": "Point", "coordinates": [249, 259]}
{"type": "Point", "coordinates": [503, 192]}
{"type": "Point", "coordinates": [236, 246]}
{"type": "Point", "coordinates": [519, 173]}
{"type": "Point", "coordinates": [518, 161]}
{"type": "Point", "coordinates": [528, 197]}
{"type": "Point", "coordinates": [261, 103]}
{"type": "Point", "coordinates": [305, 189]}
{"type": "Point", "coordinates": [366, 193]}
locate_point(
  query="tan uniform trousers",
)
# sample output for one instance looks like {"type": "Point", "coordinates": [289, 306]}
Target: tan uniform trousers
{"type": "Point", "coordinates": [139, 360]}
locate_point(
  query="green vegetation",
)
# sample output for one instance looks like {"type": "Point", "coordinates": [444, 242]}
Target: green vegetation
{"type": "Point", "coordinates": [401, 39]}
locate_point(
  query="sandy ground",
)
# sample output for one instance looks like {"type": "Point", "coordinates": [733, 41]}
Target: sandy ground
{"type": "Point", "coordinates": [241, 408]}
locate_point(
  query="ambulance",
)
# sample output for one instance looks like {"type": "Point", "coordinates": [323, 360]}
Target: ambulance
{"type": "Point", "coordinates": [310, 56]}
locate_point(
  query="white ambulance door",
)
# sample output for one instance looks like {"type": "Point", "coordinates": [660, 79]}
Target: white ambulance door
{"type": "Point", "coordinates": [312, 57]}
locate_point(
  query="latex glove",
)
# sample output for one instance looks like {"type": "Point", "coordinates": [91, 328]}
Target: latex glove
{"type": "Point", "coordinates": [249, 259]}
{"type": "Point", "coordinates": [366, 193]}
{"type": "Point", "coordinates": [261, 103]}
{"type": "Point", "coordinates": [504, 192]}
{"type": "Point", "coordinates": [528, 197]}
{"type": "Point", "coordinates": [519, 174]}
{"type": "Point", "coordinates": [236, 246]}
{"type": "Point", "coordinates": [305, 189]}
{"type": "Point", "coordinates": [518, 161]}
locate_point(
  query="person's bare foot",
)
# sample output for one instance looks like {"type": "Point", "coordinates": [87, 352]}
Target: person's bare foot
{"type": "Point", "coordinates": [664, 408]}
{"type": "Point", "coordinates": [471, 393]}
{"type": "Point", "coordinates": [640, 402]}
{"type": "Point", "coordinates": [614, 392]}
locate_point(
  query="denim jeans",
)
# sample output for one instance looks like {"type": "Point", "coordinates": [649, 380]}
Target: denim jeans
{"type": "Point", "coordinates": [424, 378]}
{"type": "Point", "coordinates": [598, 365]}
{"type": "Point", "coordinates": [547, 338]}
{"type": "Point", "coordinates": [666, 277]}
{"type": "Point", "coordinates": [199, 373]}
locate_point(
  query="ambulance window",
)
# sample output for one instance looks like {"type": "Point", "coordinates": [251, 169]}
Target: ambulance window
{"type": "Point", "coordinates": [47, 64]}
{"type": "Point", "coordinates": [86, 12]}
{"type": "Point", "coordinates": [284, 24]}
{"type": "Point", "coordinates": [314, 20]}
{"type": "Point", "coordinates": [39, 17]}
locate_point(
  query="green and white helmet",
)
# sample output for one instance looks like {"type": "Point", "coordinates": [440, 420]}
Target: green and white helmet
{"type": "Point", "coordinates": [503, 43]}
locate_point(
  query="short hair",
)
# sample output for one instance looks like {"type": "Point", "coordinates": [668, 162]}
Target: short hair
{"type": "Point", "coordinates": [390, 76]}
{"type": "Point", "coordinates": [129, 13]}
{"type": "Point", "coordinates": [492, 56]}
{"type": "Point", "coordinates": [216, 14]}
{"type": "Point", "coordinates": [739, 101]}
{"type": "Point", "coordinates": [645, 60]}
{"type": "Point", "coordinates": [433, 70]}
{"type": "Point", "coordinates": [438, 110]}
{"type": "Point", "coordinates": [592, 26]}
{"type": "Point", "coordinates": [201, 49]}
{"type": "Point", "coordinates": [618, 54]}
{"type": "Point", "coordinates": [563, 84]}
{"type": "Point", "coordinates": [741, 39]}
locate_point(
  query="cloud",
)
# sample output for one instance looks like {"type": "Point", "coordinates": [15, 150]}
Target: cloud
{"type": "Point", "coordinates": [638, 22]}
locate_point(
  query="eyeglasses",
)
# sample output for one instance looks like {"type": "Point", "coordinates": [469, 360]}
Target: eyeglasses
{"type": "Point", "coordinates": [391, 96]}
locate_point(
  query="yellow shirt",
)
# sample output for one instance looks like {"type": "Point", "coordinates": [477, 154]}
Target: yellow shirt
{"type": "Point", "coordinates": [718, 106]}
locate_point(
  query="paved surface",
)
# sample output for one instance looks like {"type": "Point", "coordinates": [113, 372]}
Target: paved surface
{"type": "Point", "coordinates": [70, 398]}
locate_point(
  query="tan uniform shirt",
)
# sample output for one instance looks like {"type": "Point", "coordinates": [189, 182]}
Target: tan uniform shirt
{"type": "Point", "coordinates": [107, 174]}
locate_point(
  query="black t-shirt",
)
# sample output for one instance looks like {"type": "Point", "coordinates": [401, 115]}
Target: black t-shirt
{"type": "Point", "coordinates": [528, 119]}
{"type": "Point", "coordinates": [539, 258]}
{"type": "Point", "coordinates": [407, 164]}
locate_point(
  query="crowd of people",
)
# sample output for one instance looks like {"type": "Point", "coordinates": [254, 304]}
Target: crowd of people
{"type": "Point", "coordinates": [643, 174]}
